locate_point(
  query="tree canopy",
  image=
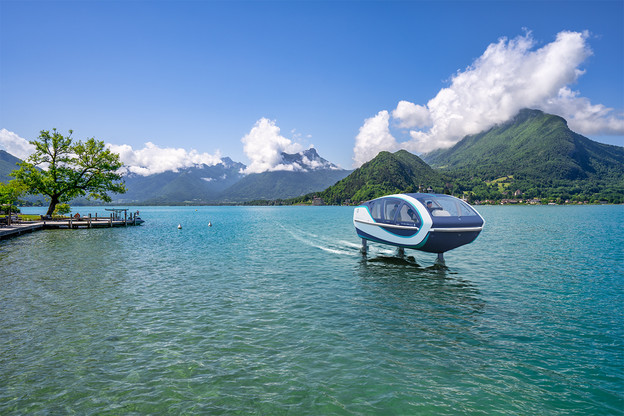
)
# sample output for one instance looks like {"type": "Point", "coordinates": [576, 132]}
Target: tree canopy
{"type": "Point", "coordinates": [9, 196]}
{"type": "Point", "coordinates": [63, 169]}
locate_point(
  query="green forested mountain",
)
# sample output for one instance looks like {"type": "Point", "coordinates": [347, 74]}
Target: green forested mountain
{"type": "Point", "coordinates": [310, 173]}
{"type": "Point", "coordinates": [539, 156]}
{"type": "Point", "coordinates": [533, 145]}
{"type": "Point", "coordinates": [534, 155]}
{"type": "Point", "coordinates": [8, 163]}
{"type": "Point", "coordinates": [387, 173]}
{"type": "Point", "coordinates": [280, 185]}
{"type": "Point", "coordinates": [193, 185]}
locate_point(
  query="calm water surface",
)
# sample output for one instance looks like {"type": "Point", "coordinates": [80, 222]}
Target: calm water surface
{"type": "Point", "coordinates": [273, 311]}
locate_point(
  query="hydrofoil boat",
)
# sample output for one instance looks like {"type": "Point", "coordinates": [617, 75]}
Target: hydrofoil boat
{"type": "Point", "coordinates": [433, 223]}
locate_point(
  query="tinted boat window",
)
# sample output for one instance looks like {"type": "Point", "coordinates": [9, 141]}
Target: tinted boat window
{"type": "Point", "coordinates": [447, 207]}
{"type": "Point", "coordinates": [465, 210]}
{"type": "Point", "coordinates": [407, 215]}
{"type": "Point", "coordinates": [392, 207]}
{"type": "Point", "coordinates": [375, 209]}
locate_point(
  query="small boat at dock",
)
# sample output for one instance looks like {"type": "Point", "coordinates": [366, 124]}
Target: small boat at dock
{"type": "Point", "coordinates": [121, 214]}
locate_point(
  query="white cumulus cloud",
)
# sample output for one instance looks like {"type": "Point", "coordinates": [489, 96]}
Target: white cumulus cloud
{"type": "Point", "coordinates": [583, 116]}
{"type": "Point", "coordinates": [15, 145]}
{"type": "Point", "coordinates": [153, 159]}
{"type": "Point", "coordinates": [508, 76]}
{"type": "Point", "coordinates": [374, 136]}
{"type": "Point", "coordinates": [149, 160]}
{"type": "Point", "coordinates": [410, 115]}
{"type": "Point", "coordinates": [264, 145]}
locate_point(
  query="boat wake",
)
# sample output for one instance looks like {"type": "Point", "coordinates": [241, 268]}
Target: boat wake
{"type": "Point", "coordinates": [376, 253]}
{"type": "Point", "coordinates": [343, 248]}
{"type": "Point", "coordinates": [381, 254]}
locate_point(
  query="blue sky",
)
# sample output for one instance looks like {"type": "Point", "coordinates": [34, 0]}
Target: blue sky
{"type": "Point", "coordinates": [208, 77]}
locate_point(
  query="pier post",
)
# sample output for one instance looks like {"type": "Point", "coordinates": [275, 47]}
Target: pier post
{"type": "Point", "coordinates": [364, 247]}
{"type": "Point", "coordinates": [125, 218]}
{"type": "Point", "coordinates": [110, 220]}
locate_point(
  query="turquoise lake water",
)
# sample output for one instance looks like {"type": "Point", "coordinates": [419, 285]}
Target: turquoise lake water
{"type": "Point", "coordinates": [273, 311]}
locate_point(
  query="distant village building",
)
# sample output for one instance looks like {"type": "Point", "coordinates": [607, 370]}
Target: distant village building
{"type": "Point", "coordinates": [318, 201]}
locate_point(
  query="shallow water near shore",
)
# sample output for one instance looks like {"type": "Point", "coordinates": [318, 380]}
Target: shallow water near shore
{"type": "Point", "coordinates": [273, 310]}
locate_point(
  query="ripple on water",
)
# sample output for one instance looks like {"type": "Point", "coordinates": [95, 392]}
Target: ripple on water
{"type": "Point", "coordinates": [273, 311]}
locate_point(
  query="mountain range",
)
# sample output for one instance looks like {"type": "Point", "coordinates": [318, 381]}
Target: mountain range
{"type": "Point", "coordinates": [224, 182]}
{"type": "Point", "coordinates": [387, 173]}
{"type": "Point", "coordinates": [197, 184]}
{"type": "Point", "coordinates": [310, 173]}
{"type": "Point", "coordinates": [532, 145]}
{"type": "Point", "coordinates": [533, 155]}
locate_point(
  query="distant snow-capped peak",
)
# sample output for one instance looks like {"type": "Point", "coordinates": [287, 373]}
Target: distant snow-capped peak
{"type": "Point", "coordinates": [306, 160]}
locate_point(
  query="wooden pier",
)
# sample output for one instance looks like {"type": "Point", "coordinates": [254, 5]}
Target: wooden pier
{"type": "Point", "coordinates": [14, 230]}
{"type": "Point", "coordinates": [22, 227]}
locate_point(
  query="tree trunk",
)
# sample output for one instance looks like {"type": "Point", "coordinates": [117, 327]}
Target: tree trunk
{"type": "Point", "coordinates": [53, 201]}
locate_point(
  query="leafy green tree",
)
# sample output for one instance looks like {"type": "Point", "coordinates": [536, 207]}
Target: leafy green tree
{"type": "Point", "coordinates": [10, 194]}
{"type": "Point", "coordinates": [63, 169]}
{"type": "Point", "coordinates": [62, 209]}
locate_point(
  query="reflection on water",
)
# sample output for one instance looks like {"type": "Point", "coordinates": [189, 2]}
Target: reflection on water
{"type": "Point", "coordinates": [417, 291]}
{"type": "Point", "coordinates": [393, 260]}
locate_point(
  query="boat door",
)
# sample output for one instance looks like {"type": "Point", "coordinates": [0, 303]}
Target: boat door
{"type": "Point", "coordinates": [408, 216]}
{"type": "Point", "coordinates": [399, 212]}
{"type": "Point", "coordinates": [384, 210]}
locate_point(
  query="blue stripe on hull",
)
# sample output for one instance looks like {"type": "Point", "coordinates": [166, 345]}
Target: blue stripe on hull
{"type": "Point", "coordinates": [367, 236]}
{"type": "Point", "coordinates": [400, 232]}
